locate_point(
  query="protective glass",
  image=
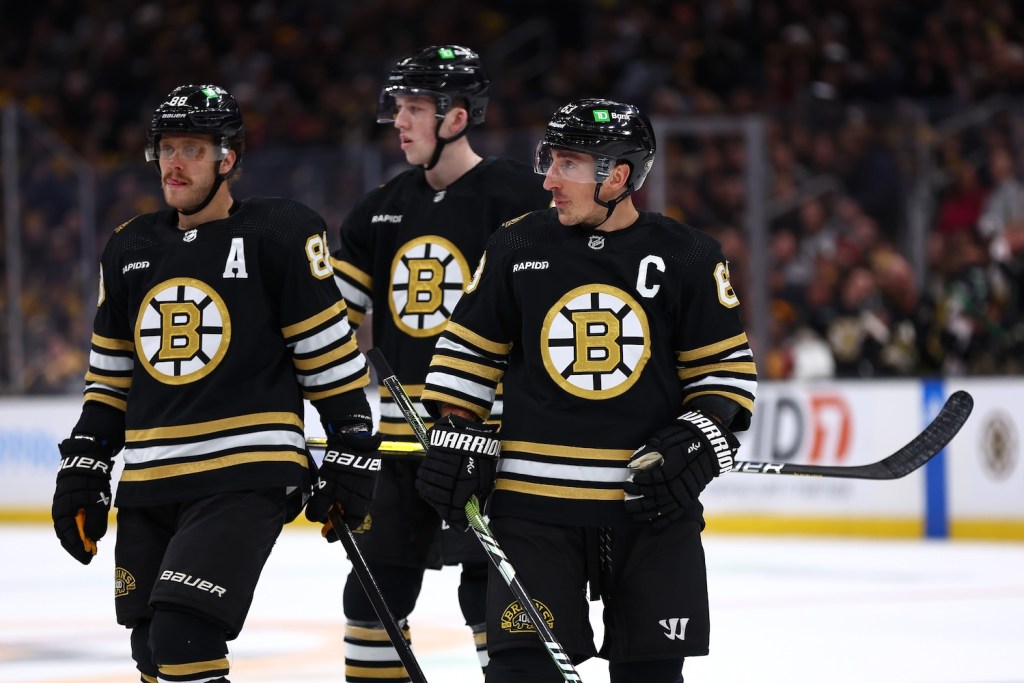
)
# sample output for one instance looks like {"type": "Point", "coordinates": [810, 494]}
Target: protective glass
{"type": "Point", "coordinates": [570, 165]}
{"type": "Point", "coordinates": [387, 106]}
{"type": "Point", "coordinates": [187, 150]}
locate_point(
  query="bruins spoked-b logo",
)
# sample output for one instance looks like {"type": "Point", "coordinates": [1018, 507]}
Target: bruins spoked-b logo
{"type": "Point", "coordinates": [182, 331]}
{"type": "Point", "coordinates": [515, 619]}
{"type": "Point", "coordinates": [595, 341]}
{"type": "Point", "coordinates": [428, 275]}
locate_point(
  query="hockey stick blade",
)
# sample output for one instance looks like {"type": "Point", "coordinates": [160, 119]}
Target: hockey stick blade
{"type": "Point", "coordinates": [479, 525]}
{"type": "Point", "coordinates": [372, 590]}
{"type": "Point", "coordinates": [911, 457]}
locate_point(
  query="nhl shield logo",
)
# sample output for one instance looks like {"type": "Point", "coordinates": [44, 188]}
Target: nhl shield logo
{"type": "Point", "coordinates": [596, 242]}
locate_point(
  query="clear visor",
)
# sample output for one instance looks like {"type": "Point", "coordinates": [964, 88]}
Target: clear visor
{"type": "Point", "coordinates": [185, 149]}
{"type": "Point", "coordinates": [395, 97]}
{"type": "Point", "coordinates": [571, 165]}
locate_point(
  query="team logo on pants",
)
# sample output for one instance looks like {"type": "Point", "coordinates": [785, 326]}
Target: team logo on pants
{"type": "Point", "coordinates": [124, 582]}
{"type": "Point", "coordinates": [428, 276]}
{"type": "Point", "coordinates": [595, 341]}
{"type": "Point", "coordinates": [182, 331]}
{"type": "Point", "coordinates": [515, 619]}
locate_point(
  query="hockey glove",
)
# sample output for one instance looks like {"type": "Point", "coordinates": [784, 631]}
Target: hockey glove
{"type": "Point", "coordinates": [460, 463]}
{"type": "Point", "coordinates": [81, 499]}
{"type": "Point", "coordinates": [348, 476]}
{"type": "Point", "coordinates": [675, 465]}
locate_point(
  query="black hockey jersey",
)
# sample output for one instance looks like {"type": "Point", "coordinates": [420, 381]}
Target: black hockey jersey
{"type": "Point", "coordinates": [209, 339]}
{"type": "Point", "coordinates": [600, 339]}
{"type": "Point", "coordinates": [407, 251]}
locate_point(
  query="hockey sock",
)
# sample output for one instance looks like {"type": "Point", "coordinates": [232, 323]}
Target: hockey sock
{"type": "Point", "coordinates": [141, 654]}
{"type": "Point", "coordinates": [370, 657]}
{"type": "Point", "coordinates": [480, 640]}
{"type": "Point", "coordinates": [188, 648]}
{"type": "Point", "coordinates": [515, 665]}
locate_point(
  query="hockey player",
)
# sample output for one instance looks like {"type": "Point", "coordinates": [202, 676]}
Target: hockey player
{"type": "Point", "coordinates": [610, 329]}
{"type": "Point", "coordinates": [406, 253]}
{"type": "Point", "coordinates": [215, 318]}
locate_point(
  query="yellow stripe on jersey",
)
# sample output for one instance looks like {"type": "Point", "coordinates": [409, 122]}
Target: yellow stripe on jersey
{"type": "Point", "coordinates": [213, 426]}
{"type": "Point", "coordinates": [616, 455]}
{"type": "Point", "coordinates": [109, 380]}
{"type": "Point", "coordinates": [352, 273]}
{"type": "Point", "coordinates": [119, 403]}
{"type": "Point", "coordinates": [391, 673]}
{"type": "Point", "coordinates": [357, 384]}
{"type": "Point", "coordinates": [323, 359]}
{"type": "Point", "coordinates": [315, 321]}
{"type": "Point", "coordinates": [355, 317]}
{"type": "Point", "coordinates": [476, 340]}
{"type": "Point", "coordinates": [476, 369]}
{"type": "Point", "coordinates": [112, 344]}
{"type": "Point", "coordinates": [552, 491]}
{"type": "Point", "coordinates": [413, 390]}
{"type": "Point", "coordinates": [712, 349]}
{"type": "Point", "coordinates": [441, 397]}
{"type": "Point", "coordinates": [742, 367]}
{"type": "Point", "coordinates": [222, 462]}
{"type": "Point", "coordinates": [194, 667]}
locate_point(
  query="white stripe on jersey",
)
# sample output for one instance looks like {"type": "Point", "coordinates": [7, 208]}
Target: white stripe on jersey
{"type": "Point", "coordinates": [102, 361]}
{"type": "Point", "coordinates": [354, 296]}
{"type": "Point", "coordinates": [346, 371]}
{"type": "Point", "coordinates": [511, 465]}
{"type": "Point", "coordinates": [198, 447]}
{"type": "Point", "coordinates": [321, 340]}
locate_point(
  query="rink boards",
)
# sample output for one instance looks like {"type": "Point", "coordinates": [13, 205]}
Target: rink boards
{"type": "Point", "coordinates": [974, 489]}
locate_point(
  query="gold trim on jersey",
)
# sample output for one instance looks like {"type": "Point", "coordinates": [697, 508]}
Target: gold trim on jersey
{"type": "Point", "coordinates": [413, 390]}
{"type": "Point", "coordinates": [217, 463]}
{"type": "Point", "coordinates": [357, 384]}
{"type": "Point", "coordinates": [376, 634]}
{"type": "Point", "coordinates": [747, 368]}
{"type": "Point", "coordinates": [323, 359]}
{"type": "Point", "coordinates": [476, 369]}
{"type": "Point", "coordinates": [112, 344]}
{"type": "Point", "coordinates": [440, 397]}
{"type": "Point", "coordinates": [389, 673]}
{"type": "Point", "coordinates": [119, 403]}
{"type": "Point", "coordinates": [712, 349]}
{"type": "Point", "coordinates": [353, 273]}
{"type": "Point", "coordinates": [476, 340]}
{"type": "Point", "coordinates": [213, 426]}
{"type": "Point", "coordinates": [355, 316]}
{"type": "Point", "coordinates": [552, 491]}
{"type": "Point", "coordinates": [617, 455]}
{"type": "Point", "coordinates": [109, 380]}
{"type": "Point", "coordinates": [320, 318]}
{"type": "Point", "coordinates": [744, 401]}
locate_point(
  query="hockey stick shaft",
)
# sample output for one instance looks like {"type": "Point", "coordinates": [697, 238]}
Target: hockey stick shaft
{"type": "Point", "coordinates": [387, 619]}
{"type": "Point", "coordinates": [476, 521]}
{"type": "Point", "coordinates": [913, 456]}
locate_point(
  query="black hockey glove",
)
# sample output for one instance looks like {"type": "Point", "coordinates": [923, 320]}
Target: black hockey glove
{"type": "Point", "coordinates": [348, 476]}
{"type": "Point", "coordinates": [81, 499]}
{"type": "Point", "coordinates": [460, 464]}
{"type": "Point", "coordinates": [669, 471]}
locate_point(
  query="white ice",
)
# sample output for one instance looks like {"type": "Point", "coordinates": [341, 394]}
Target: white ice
{"type": "Point", "coordinates": [783, 609]}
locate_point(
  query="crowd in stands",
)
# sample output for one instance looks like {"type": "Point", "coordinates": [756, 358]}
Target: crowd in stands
{"type": "Point", "coordinates": [863, 97]}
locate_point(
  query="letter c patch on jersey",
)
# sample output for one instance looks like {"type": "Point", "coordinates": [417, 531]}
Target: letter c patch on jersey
{"type": "Point", "coordinates": [428, 275]}
{"type": "Point", "coordinates": [182, 331]}
{"type": "Point", "coordinates": [595, 341]}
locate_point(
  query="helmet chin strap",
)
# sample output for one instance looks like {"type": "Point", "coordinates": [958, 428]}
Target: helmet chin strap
{"type": "Point", "coordinates": [610, 204]}
{"type": "Point", "coordinates": [209, 197]}
{"type": "Point", "coordinates": [441, 142]}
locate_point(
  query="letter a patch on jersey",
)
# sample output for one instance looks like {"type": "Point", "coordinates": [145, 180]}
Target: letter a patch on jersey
{"type": "Point", "coordinates": [235, 265]}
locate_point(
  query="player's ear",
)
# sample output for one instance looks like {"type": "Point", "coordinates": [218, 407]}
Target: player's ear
{"type": "Point", "coordinates": [619, 175]}
{"type": "Point", "coordinates": [228, 162]}
{"type": "Point", "coordinates": [457, 119]}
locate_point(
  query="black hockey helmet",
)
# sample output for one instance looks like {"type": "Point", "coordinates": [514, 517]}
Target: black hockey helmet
{"type": "Point", "coordinates": [445, 73]}
{"type": "Point", "coordinates": [208, 109]}
{"type": "Point", "coordinates": [608, 131]}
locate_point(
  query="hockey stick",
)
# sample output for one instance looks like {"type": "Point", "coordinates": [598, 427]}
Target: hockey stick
{"type": "Point", "coordinates": [479, 525]}
{"type": "Point", "coordinates": [387, 619]}
{"type": "Point", "coordinates": [913, 456]}
{"type": "Point", "coordinates": [387, 449]}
